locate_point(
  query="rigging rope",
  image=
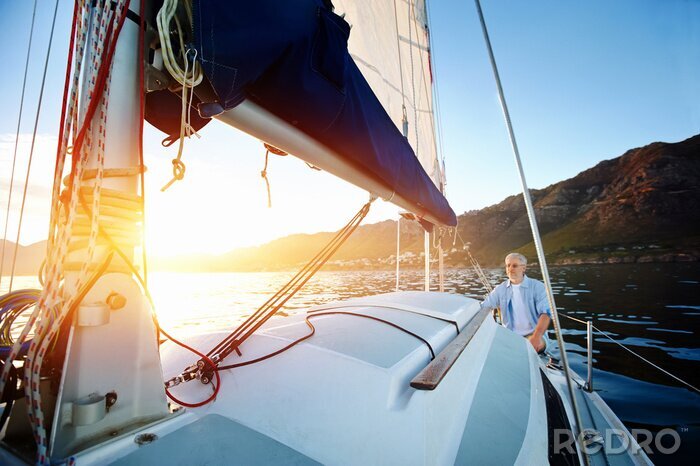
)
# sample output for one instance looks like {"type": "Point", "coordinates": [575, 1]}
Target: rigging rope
{"type": "Point", "coordinates": [54, 306]}
{"type": "Point", "coordinates": [166, 15]}
{"type": "Point", "coordinates": [263, 174]}
{"type": "Point", "coordinates": [142, 174]}
{"type": "Point", "coordinates": [535, 230]}
{"type": "Point", "coordinates": [52, 303]}
{"type": "Point", "coordinates": [307, 320]}
{"type": "Point", "coordinates": [12, 305]}
{"type": "Point", "coordinates": [188, 78]}
{"type": "Point", "coordinates": [14, 156]}
{"type": "Point", "coordinates": [234, 340]}
{"type": "Point", "coordinates": [473, 261]}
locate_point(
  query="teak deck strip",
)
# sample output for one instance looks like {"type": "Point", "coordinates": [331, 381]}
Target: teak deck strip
{"type": "Point", "coordinates": [433, 373]}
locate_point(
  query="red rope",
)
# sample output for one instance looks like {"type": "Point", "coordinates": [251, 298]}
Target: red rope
{"type": "Point", "coordinates": [207, 361]}
{"type": "Point", "coordinates": [66, 86]}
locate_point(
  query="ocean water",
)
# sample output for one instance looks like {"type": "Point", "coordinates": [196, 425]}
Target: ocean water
{"type": "Point", "coordinates": [653, 309]}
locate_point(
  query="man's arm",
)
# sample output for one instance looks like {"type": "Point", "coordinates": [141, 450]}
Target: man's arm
{"type": "Point", "coordinates": [491, 301]}
{"type": "Point", "coordinates": [541, 327]}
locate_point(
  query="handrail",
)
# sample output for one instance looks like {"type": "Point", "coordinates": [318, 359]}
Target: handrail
{"type": "Point", "coordinates": [432, 374]}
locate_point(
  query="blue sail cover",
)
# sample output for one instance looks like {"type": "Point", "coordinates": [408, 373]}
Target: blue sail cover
{"type": "Point", "coordinates": [291, 58]}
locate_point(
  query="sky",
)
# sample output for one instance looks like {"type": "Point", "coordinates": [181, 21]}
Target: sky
{"type": "Point", "coordinates": [584, 81]}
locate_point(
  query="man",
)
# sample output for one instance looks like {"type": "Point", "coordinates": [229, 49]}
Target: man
{"type": "Point", "coordinates": [523, 303]}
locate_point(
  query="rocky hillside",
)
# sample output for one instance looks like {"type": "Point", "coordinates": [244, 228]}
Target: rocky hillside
{"type": "Point", "coordinates": [640, 206]}
{"type": "Point", "coordinates": [29, 258]}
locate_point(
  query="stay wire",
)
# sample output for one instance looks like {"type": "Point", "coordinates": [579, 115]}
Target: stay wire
{"type": "Point", "coordinates": [436, 93]}
{"type": "Point", "coordinates": [535, 230]}
{"type": "Point", "coordinates": [282, 295]}
{"type": "Point", "coordinates": [398, 50]}
{"type": "Point", "coordinates": [428, 91]}
{"type": "Point", "coordinates": [272, 305]}
{"type": "Point", "coordinates": [280, 292]}
{"type": "Point", "coordinates": [14, 157]}
{"type": "Point", "coordinates": [311, 267]}
{"type": "Point", "coordinates": [31, 150]}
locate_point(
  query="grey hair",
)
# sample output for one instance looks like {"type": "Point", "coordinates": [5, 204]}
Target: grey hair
{"type": "Point", "coordinates": [517, 255]}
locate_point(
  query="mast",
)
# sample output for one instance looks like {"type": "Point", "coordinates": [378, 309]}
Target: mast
{"type": "Point", "coordinates": [111, 376]}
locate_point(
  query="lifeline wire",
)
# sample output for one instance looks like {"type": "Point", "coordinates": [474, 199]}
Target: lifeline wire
{"type": "Point", "coordinates": [533, 225]}
{"type": "Point", "coordinates": [607, 335]}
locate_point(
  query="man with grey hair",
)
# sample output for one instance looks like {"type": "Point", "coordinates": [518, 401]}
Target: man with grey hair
{"type": "Point", "coordinates": [523, 303]}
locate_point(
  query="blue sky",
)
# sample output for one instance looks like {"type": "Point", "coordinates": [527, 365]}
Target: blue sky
{"type": "Point", "coordinates": [585, 81]}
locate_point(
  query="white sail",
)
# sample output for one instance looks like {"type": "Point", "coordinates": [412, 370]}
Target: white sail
{"type": "Point", "coordinates": [389, 42]}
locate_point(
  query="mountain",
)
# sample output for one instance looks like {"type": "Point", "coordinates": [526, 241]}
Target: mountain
{"type": "Point", "coordinates": [639, 207]}
{"type": "Point", "coordinates": [29, 257]}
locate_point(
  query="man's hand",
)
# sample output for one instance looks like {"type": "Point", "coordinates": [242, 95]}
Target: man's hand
{"type": "Point", "coordinates": [536, 339]}
{"type": "Point", "coordinates": [536, 342]}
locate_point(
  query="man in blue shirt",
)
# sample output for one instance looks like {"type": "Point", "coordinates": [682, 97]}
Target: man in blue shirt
{"type": "Point", "coordinates": [523, 303]}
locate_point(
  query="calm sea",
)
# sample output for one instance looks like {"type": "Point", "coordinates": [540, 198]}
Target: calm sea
{"type": "Point", "coordinates": [653, 309]}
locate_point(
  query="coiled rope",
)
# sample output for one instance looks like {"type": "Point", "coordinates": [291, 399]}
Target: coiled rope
{"type": "Point", "coordinates": [188, 77]}
{"type": "Point", "coordinates": [12, 305]}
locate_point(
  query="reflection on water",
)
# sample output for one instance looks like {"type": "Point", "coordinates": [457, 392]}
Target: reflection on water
{"type": "Point", "coordinates": [654, 309]}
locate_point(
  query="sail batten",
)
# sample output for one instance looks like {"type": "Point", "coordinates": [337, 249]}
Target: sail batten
{"type": "Point", "coordinates": [294, 61]}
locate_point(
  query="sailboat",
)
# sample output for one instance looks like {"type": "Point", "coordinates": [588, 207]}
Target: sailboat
{"type": "Point", "coordinates": [400, 378]}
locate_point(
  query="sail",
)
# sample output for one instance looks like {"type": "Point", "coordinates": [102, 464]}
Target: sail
{"type": "Point", "coordinates": [291, 59]}
{"type": "Point", "coordinates": [391, 47]}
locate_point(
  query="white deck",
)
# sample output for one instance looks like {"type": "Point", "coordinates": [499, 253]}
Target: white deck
{"type": "Point", "coordinates": [343, 397]}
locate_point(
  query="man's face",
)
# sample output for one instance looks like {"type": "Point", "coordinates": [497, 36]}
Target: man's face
{"type": "Point", "coordinates": [515, 270]}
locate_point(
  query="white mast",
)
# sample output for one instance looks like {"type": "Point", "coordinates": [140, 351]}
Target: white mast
{"type": "Point", "coordinates": [111, 376]}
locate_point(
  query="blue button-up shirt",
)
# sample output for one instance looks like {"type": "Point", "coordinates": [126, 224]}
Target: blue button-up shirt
{"type": "Point", "coordinates": [534, 295]}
